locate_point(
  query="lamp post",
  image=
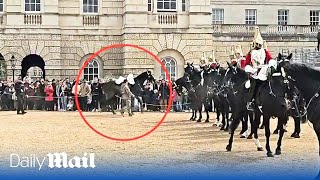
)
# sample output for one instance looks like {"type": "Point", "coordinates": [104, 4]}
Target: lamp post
{"type": "Point", "coordinates": [13, 65]}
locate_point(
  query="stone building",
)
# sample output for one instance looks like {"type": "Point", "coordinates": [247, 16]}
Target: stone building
{"type": "Point", "coordinates": [58, 36]}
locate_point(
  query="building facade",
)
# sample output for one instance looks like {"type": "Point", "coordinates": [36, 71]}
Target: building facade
{"type": "Point", "coordinates": [58, 36]}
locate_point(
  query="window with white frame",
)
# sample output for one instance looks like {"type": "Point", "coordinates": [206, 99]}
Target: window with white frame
{"type": "Point", "coordinates": [251, 17]}
{"type": "Point", "coordinates": [283, 16]}
{"type": "Point", "coordinates": [32, 5]}
{"type": "Point", "coordinates": [171, 65]}
{"type": "Point", "coordinates": [90, 6]}
{"type": "Point", "coordinates": [92, 70]}
{"type": "Point", "coordinates": [314, 17]}
{"type": "Point", "coordinates": [1, 6]}
{"type": "Point", "coordinates": [167, 5]}
{"type": "Point", "coordinates": [217, 16]}
{"type": "Point", "coordinates": [149, 5]}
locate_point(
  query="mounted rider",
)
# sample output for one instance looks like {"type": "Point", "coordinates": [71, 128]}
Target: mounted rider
{"type": "Point", "coordinates": [215, 66]}
{"type": "Point", "coordinates": [238, 58]}
{"type": "Point", "coordinates": [256, 65]}
{"type": "Point", "coordinates": [203, 62]}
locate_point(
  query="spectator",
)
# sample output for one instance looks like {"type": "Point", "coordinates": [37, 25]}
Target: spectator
{"type": "Point", "coordinates": [49, 97]}
{"type": "Point", "coordinates": [64, 96]}
{"type": "Point", "coordinates": [163, 95]}
{"type": "Point", "coordinates": [96, 94]}
{"type": "Point", "coordinates": [83, 95]}
{"type": "Point", "coordinates": [174, 100]}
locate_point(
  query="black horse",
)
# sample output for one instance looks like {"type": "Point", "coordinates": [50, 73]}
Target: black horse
{"type": "Point", "coordinates": [111, 91]}
{"type": "Point", "coordinates": [214, 78]}
{"type": "Point", "coordinates": [197, 92]}
{"type": "Point", "coordinates": [271, 102]}
{"type": "Point", "coordinates": [237, 96]}
{"type": "Point", "coordinates": [297, 103]}
{"type": "Point", "coordinates": [307, 80]}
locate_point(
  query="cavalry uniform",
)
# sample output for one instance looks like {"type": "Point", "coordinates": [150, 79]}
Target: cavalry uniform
{"type": "Point", "coordinates": [126, 96]}
{"type": "Point", "coordinates": [256, 65]}
{"type": "Point", "coordinates": [20, 94]}
{"type": "Point", "coordinates": [257, 58]}
{"type": "Point", "coordinates": [239, 60]}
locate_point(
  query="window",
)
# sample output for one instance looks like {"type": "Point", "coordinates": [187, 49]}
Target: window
{"type": "Point", "coordinates": [171, 65]}
{"type": "Point", "coordinates": [167, 5]}
{"type": "Point", "coordinates": [183, 5]}
{"type": "Point", "coordinates": [1, 5]}
{"type": "Point", "coordinates": [217, 16]}
{"type": "Point", "coordinates": [283, 17]}
{"type": "Point", "coordinates": [251, 16]}
{"type": "Point", "coordinates": [90, 6]}
{"type": "Point", "coordinates": [32, 5]}
{"type": "Point", "coordinates": [35, 72]}
{"type": "Point", "coordinates": [149, 5]}
{"type": "Point", "coordinates": [314, 18]}
{"type": "Point", "coordinates": [92, 70]}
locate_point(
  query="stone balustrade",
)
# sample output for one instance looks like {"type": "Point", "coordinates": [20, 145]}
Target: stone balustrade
{"type": "Point", "coordinates": [91, 20]}
{"type": "Point", "coordinates": [276, 30]}
{"type": "Point", "coordinates": [168, 20]}
{"type": "Point", "coordinates": [33, 19]}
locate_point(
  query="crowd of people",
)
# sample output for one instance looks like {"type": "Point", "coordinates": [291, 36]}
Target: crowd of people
{"type": "Point", "coordinates": [58, 95]}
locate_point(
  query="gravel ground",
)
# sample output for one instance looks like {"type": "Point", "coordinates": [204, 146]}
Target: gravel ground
{"type": "Point", "coordinates": [177, 146]}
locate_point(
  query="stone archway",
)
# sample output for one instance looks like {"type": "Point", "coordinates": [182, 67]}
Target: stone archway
{"type": "Point", "coordinates": [32, 60]}
{"type": "Point", "coordinates": [172, 59]}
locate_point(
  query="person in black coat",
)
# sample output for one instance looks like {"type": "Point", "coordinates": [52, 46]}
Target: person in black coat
{"type": "Point", "coordinates": [164, 94]}
{"type": "Point", "coordinates": [19, 89]}
{"type": "Point", "coordinates": [96, 91]}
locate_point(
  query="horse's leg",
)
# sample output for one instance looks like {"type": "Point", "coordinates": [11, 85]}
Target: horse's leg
{"type": "Point", "coordinates": [223, 121]}
{"type": "Point", "coordinates": [244, 121]}
{"type": "Point", "coordinates": [297, 128]}
{"type": "Point", "coordinates": [233, 126]}
{"type": "Point", "coordinates": [251, 125]}
{"type": "Point", "coordinates": [141, 104]}
{"type": "Point", "coordinates": [281, 122]}
{"type": "Point", "coordinates": [207, 109]}
{"type": "Point", "coordinates": [200, 112]}
{"type": "Point", "coordinates": [266, 122]}
{"type": "Point", "coordinates": [226, 113]}
{"type": "Point", "coordinates": [256, 123]}
{"type": "Point", "coordinates": [192, 117]}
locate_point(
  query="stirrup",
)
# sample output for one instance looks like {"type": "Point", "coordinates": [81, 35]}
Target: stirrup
{"type": "Point", "coordinates": [249, 106]}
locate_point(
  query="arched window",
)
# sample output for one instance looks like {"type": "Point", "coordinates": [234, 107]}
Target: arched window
{"type": "Point", "coordinates": [3, 68]}
{"type": "Point", "coordinates": [171, 65]}
{"type": "Point", "coordinates": [92, 70]}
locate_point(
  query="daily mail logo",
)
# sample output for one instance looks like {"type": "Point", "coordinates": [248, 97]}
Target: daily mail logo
{"type": "Point", "coordinates": [54, 160]}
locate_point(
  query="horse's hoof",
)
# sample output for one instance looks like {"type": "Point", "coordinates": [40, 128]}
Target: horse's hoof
{"type": "Point", "coordinates": [242, 136]}
{"type": "Point", "coordinates": [228, 147]}
{"type": "Point", "coordinates": [226, 129]}
{"type": "Point", "coordinates": [285, 130]}
{"type": "Point", "coordinates": [269, 154]}
{"type": "Point", "coordinates": [199, 120]}
{"type": "Point", "coordinates": [207, 121]}
{"type": "Point", "coordinates": [262, 127]}
{"type": "Point", "coordinates": [296, 136]}
{"type": "Point", "coordinates": [222, 128]}
{"type": "Point", "coordinates": [260, 148]}
{"type": "Point", "coordinates": [249, 137]}
{"type": "Point", "coordinates": [278, 152]}
{"type": "Point", "coordinates": [275, 132]}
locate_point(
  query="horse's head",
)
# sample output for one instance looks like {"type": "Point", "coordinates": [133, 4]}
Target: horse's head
{"type": "Point", "coordinates": [150, 78]}
{"type": "Point", "coordinates": [234, 74]}
{"type": "Point", "coordinates": [189, 69]}
{"type": "Point", "coordinates": [284, 60]}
